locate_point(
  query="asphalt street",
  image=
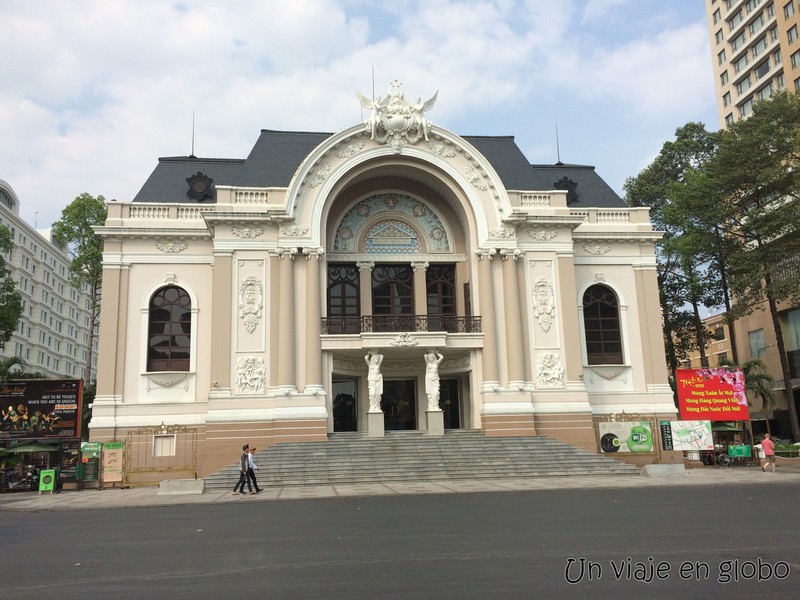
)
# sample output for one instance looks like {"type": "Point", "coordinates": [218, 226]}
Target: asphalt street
{"type": "Point", "coordinates": [710, 541]}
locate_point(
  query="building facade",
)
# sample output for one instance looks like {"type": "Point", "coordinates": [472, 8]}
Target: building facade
{"type": "Point", "coordinates": [245, 298]}
{"type": "Point", "coordinates": [53, 332]}
{"type": "Point", "coordinates": [755, 47]}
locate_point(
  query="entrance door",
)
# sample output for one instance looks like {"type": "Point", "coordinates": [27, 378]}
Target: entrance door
{"type": "Point", "coordinates": [345, 416]}
{"type": "Point", "coordinates": [449, 403]}
{"type": "Point", "coordinates": [399, 404]}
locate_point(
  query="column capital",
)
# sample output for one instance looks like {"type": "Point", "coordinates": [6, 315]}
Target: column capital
{"type": "Point", "coordinates": [365, 265]}
{"type": "Point", "coordinates": [421, 264]}
{"type": "Point", "coordinates": [289, 253]}
{"type": "Point", "coordinates": [310, 252]}
{"type": "Point", "coordinates": [482, 253]}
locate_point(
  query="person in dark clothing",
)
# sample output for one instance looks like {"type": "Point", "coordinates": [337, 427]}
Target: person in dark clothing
{"type": "Point", "coordinates": [243, 462]}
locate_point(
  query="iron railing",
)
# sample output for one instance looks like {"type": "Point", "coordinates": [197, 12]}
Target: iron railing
{"type": "Point", "coordinates": [400, 324]}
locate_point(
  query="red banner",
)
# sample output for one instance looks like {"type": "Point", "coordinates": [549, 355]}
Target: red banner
{"type": "Point", "coordinates": [712, 395]}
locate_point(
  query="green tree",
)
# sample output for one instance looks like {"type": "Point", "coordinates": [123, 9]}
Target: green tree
{"type": "Point", "coordinates": [7, 370]}
{"type": "Point", "coordinates": [10, 300]}
{"type": "Point", "coordinates": [757, 173]}
{"type": "Point", "coordinates": [75, 232]}
{"type": "Point", "coordinates": [687, 283]}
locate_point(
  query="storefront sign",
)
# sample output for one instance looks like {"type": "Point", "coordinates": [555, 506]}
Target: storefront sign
{"type": "Point", "coordinates": [626, 436]}
{"type": "Point", "coordinates": [40, 408]}
{"type": "Point", "coordinates": [112, 461]}
{"type": "Point", "coordinates": [712, 394]}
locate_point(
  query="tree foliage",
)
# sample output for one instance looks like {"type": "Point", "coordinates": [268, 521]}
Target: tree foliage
{"type": "Point", "coordinates": [10, 299]}
{"type": "Point", "coordinates": [75, 232]}
{"type": "Point", "coordinates": [7, 370]}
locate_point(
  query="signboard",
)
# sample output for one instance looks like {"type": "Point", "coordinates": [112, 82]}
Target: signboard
{"type": "Point", "coordinates": [712, 394]}
{"type": "Point", "coordinates": [90, 460]}
{"type": "Point", "coordinates": [40, 408]}
{"type": "Point", "coordinates": [691, 435]}
{"type": "Point", "coordinates": [47, 481]}
{"type": "Point", "coordinates": [625, 436]}
{"type": "Point", "coordinates": [665, 427]}
{"type": "Point", "coordinates": [69, 459]}
{"type": "Point", "coordinates": [112, 461]}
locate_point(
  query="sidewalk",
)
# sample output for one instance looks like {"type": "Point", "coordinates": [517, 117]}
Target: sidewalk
{"type": "Point", "coordinates": [149, 496]}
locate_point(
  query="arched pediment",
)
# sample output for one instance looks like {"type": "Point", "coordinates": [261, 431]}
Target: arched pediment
{"type": "Point", "coordinates": [445, 157]}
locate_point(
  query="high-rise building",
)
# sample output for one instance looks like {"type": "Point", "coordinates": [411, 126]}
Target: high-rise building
{"type": "Point", "coordinates": [755, 49]}
{"type": "Point", "coordinates": [53, 332]}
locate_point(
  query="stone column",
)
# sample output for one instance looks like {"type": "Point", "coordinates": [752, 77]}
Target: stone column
{"type": "Point", "coordinates": [500, 321]}
{"type": "Point", "coordinates": [223, 292]}
{"type": "Point", "coordinates": [273, 310]}
{"type": "Point", "coordinates": [420, 287]}
{"type": "Point", "coordinates": [484, 283]}
{"type": "Point", "coordinates": [365, 286]}
{"type": "Point", "coordinates": [313, 357]}
{"type": "Point", "coordinates": [514, 318]}
{"type": "Point", "coordinates": [287, 322]}
{"type": "Point", "coordinates": [111, 335]}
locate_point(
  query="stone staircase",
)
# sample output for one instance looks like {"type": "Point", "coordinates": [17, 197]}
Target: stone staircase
{"type": "Point", "coordinates": [414, 456]}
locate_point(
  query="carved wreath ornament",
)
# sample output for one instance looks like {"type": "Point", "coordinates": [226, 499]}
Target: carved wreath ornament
{"type": "Point", "coordinates": [251, 302]}
{"type": "Point", "coordinates": [544, 309]}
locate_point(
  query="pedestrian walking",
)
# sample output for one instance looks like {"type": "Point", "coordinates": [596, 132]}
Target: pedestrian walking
{"type": "Point", "coordinates": [768, 446]}
{"type": "Point", "coordinates": [251, 471]}
{"type": "Point", "coordinates": [243, 463]}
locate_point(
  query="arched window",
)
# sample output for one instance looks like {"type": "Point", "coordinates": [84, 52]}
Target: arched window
{"type": "Point", "coordinates": [169, 330]}
{"type": "Point", "coordinates": [602, 327]}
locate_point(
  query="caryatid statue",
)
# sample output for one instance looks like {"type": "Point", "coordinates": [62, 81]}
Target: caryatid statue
{"type": "Point", "coordinates": [432, 360]}
{"type": "Point", "coordinates": [374, 379]}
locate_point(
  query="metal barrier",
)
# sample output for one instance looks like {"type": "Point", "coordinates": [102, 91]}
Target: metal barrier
{"type": "Point", "coordinates": [153, 454]}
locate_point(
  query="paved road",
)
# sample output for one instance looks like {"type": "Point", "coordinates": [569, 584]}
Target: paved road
{"type": "Point", "coordinates": [464, 546]}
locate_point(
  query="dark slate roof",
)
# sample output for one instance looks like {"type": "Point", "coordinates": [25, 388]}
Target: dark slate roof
{"type": "Point", "coordinates": [276, 156]}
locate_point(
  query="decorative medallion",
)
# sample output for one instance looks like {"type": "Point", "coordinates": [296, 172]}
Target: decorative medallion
{"type": "Point", "coordinates": [247, 232]}
{"type": "Point", "coordinates": [544, 234]}
{"type": "Point", "coordinates": [544, 309]}
{"type": "Point", "coordinates": [394, 120]}
{"type": "Point", "coordinates": [475, 179]}
{"type": "Point", "coordinates": [251, 302]}
{"type": "Point", "coordinates": [501, 232]}
{"type": "Point", "coordinates": [404, 340]}
{"type": "Point", "coordinates": [442, 150]}
{"type": "Point", "coordinates": [171, 247]}
{"type": "Point", "coordinates": [200, 187]}
{"type": "Point", "coordinates": [350, 149]}
{"type": "Point", "coordinates": [321, 175]}
{"type": "Point", "coordinates": [550, 371]}
{"type": "Point", "coordinates": [294, 231]}
{"type": "Point", "coordinates": [250, 374]}
{"type": "Point", "coordinates": [596, 250]}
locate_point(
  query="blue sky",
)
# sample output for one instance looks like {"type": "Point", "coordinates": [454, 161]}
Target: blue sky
{"type": "Point", "coordinates": [94, 92]}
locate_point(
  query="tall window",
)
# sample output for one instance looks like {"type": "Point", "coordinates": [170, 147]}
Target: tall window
{"type": "Point", "coordinates": [440, 287]}
{"type": "Point", "coordinates": [392, 290]}
{"type": "Point", "coordinates": [344, 310]}
{"type": "Point", "coordinates": [169, 330]}
{"type": "Point", "coordinates": [602, 327]}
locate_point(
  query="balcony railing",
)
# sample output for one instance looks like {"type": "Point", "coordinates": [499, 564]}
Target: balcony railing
{"type": "Point", "coordinates": [400, 324]}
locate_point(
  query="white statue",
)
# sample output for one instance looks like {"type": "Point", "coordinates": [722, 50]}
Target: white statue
{"type": "Point", "coordinates": [374, 380]}
{"type": "Point", "coordinates": [432, 360]}
{"type": "Point", "coordinates": [396, 121]}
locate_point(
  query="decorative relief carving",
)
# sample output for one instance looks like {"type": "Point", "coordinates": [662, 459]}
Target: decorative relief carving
{"type": "Point", "coordinates": [350, 149]}
{"type": "Point", "coordinates": [394, 120]}
{"type": "Point", "coordinates": [247, 233]}
{"type": "Point", "coordinates": [599, 277]}
{"type": "Point", "coordinates": [475, 179]}
{"type": "Point", "coordinates": [251, 302]}
{"type": "Point", "coordinates": [321, 175]}
{"type": "Point", "coordinates": [404, 340]}
{"type": "Point", "coordinates": [171, 279]}
{"type": "Point", "coordinates": [596, 249]}
{"type": "Point", "coordinates": [171, 247]}
{"type": "Point", "coordinates": [167, 380]}
{"type": "Point", "coordinates": [544, 308]}
{"type": "Point", "coordinates": [550, 371]}
{"type": "Point", "coordinates": [502, 232]}
{"type": "Point", "coordinates": [250, 374]}
{"type": "Point", "coordinates": [542, 234]}
{"type": "Point", "coordinates": [609, 373]}
{"type": "Point", "coordinates": [294, 231]}
{"type": "Point", "coordinates": [442, 150]}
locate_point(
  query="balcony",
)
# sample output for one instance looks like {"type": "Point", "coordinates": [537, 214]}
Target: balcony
{"type": "Point", "coordinates": [399, 324]}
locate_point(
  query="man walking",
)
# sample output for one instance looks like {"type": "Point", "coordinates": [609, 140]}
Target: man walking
{"type": "Point", "coordinates": [251, 471]}
{"type": "Point", "coordinates": [768, 446]}
{"type": "Point", "coordinates": [243, 463]}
